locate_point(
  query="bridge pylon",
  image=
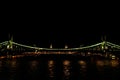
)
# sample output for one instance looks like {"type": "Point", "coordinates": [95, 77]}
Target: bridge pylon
{"type": "Point", "coordinates": [104, 46]}
{"type": "Point", "coordinates": [10, 44]}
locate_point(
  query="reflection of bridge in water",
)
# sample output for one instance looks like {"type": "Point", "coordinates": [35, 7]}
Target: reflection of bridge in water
{"type": "Point", "coordinates": [13, 48]}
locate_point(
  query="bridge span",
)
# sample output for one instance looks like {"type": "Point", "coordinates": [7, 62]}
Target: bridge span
{"type": "Point", "coordinates": [12, 48]}
{"type": "Point", "coordinates": [102, 46]}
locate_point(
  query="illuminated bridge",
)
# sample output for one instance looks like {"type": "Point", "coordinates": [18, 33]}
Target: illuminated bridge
{"type": "Point", "coordinates": [104, 48]}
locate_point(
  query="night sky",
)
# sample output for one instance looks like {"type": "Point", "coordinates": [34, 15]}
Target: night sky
{"type": "Point", "coordinates": [42, 26]}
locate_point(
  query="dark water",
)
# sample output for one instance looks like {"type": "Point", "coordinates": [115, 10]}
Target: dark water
{"type": "Point", "coordinates": [59, 68]}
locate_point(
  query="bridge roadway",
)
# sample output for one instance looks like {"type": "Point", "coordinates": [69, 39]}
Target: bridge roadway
{"type": "Point", "coordinates": [63, 54]}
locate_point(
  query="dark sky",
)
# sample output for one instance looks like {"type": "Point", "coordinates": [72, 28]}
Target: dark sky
{"type": "Point", "coordinates": [59, 25]}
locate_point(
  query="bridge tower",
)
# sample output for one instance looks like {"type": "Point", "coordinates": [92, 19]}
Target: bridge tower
{"type": "Point", "coordinates": [10, 44]}
{"type": "Point", "coordinates": [103, 45]}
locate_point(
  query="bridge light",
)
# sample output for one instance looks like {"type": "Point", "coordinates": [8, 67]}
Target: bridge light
{"type": "Point", "coordinates": [66, 46]}
{"type": "Point", "coordinates": [106, 47]}
{"type": "Point", "coordinates": [89, 53]}
{"type": "Point", "coordinates": [51, 46]}
{"type": "Point", "coordinates": [113, 56]}
{"type": "Point", "coordinates": [8, 46]}
{"type": "Point", "coordinates": [102, 47]}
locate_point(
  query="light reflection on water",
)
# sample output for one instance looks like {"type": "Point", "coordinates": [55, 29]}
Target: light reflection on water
{"type": "Point", "coordinates": [62, 69]}
{"type": "Point", "coordinates": [82, 68]}
{"type": "Point", "coordinates": [112, 63]}
{"type": "Point", "coordinates": [8, 69]}
{"type": "Point", "coordinates": [51, 67]}
{"type": "Point", "coordinates": [33, 65]}
{"type": "Point", "coordinates": [13, 68]}
{"type": "Point", "coordinates": [66, 69]}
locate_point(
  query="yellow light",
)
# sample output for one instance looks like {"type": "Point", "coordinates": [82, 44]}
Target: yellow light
{"type": "Point", "coordinates": [66, 62]}
{"type": "Point", "coordinates": [82, 62]}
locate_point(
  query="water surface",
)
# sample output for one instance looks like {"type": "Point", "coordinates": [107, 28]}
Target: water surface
{"type": "Point", "coordinates": [59, 68]}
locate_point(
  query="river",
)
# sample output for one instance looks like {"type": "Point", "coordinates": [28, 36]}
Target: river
{"type": "Point", "coordinates": [60, 68]}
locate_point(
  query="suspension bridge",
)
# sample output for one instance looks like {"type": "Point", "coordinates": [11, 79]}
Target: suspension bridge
{"type": "Point", "coordinates": [12, 48]}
